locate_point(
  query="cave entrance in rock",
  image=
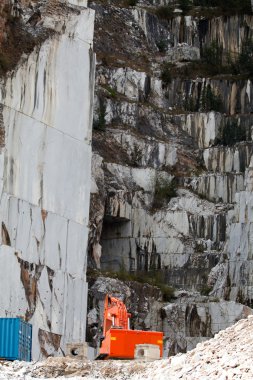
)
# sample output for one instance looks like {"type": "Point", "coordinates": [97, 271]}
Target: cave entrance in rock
{"type": "Point", "coordinates": [116, 244]}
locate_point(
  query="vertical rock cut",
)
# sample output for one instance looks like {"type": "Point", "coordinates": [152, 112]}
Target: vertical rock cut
{"type": "Point", "coordinates": [46, 117]}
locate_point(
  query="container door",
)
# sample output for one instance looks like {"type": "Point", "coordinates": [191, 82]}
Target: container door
{"type": "Point", "coordinates": [9, 328]}
{"type": "Point", "coordinates": [25, 341]}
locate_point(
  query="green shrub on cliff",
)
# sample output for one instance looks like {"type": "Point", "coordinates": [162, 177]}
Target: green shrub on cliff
{"type": "Point", "coordinates": [210, 101]}
{"type": "Point", "coordinates": [164, 191]}
{"type": "Point", "coordinates": [4, 63]}
{"type": "Point", "coordinates": [131, 3]}
{"type": "Point", "coordinates": [165, 12]}
{"type": "Point", "coordinates": [242, 64]}
{"type": "Point", "coordinates": [190, 104]}
{"type": "Point", "coordinates": [233, 133]}
{"type": "Point", "coordinates": [212, 54]}
{"type": "Point", "coordinates": [245, 59]}
{"type": "Point", "coordinates": [166, 73]}
{"type": "Point", "coordinates": [231, 6]}
{"type": "Point", "coordinates": [162, 45]}
{"type": "Point", "coordinates": [220, 6]}
{"type": "Point", "coordinates": [185, 5]}
{"type": "Point", "coordinates": [154, 278]}
{"type": "Point", "coordinates": [205, 290]}
{"type": "Point", "coordinates": [99, 123]}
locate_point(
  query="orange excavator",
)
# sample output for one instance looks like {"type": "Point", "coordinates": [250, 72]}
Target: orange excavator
{"type": "Point", "coordinates": [119, 341]}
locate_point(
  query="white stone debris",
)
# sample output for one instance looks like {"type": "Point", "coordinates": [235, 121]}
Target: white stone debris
{"type": "Point", "coordinates": [228, 356]}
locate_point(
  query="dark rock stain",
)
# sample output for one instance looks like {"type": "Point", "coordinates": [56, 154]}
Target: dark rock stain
{"type": "Point", "coordinates": [5, 235]}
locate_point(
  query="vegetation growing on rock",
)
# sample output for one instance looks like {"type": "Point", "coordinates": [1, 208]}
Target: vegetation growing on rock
{"type": "Point", "coordinates": [15, 29]}
{"type": "Point", "coordinates": [164, 191]}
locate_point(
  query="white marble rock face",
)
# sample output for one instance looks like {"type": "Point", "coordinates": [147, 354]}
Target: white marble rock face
{"type": "Point", "coordinates": [45, 185]}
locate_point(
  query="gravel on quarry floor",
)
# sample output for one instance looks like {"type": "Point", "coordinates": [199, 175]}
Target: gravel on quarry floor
{"type": "Point", "coordinates": [226, 356]}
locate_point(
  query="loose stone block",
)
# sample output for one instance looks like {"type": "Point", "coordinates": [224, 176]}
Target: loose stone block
{"type": "Point", "coordinates": [147, 352]}
{"type": "Point", "coordinates": [77, 350]}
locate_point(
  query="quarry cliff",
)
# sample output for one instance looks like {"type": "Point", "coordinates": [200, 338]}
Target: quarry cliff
{"type": "Point", "coordinates": [150, 187]}
{"type": "Point", "coordinates": [172, 165]}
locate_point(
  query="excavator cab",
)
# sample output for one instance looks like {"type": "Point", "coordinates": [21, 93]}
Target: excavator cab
{"type": "Point", "coordinates": [119, 341]}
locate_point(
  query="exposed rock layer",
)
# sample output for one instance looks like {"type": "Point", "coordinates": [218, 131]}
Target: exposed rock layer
{"type": "Point", "coordinates": [156, 132]}
{"type": "Point", "coordinates": [46, 117]}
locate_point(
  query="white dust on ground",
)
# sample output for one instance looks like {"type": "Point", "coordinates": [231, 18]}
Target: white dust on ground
{"type": "Point", "coordinates": [227, 356]}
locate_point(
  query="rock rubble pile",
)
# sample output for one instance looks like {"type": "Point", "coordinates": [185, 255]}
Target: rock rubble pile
{"type": "Point", "coordinates": [225, 357]}
{"type": "Point", "coordinates": [228, 356]}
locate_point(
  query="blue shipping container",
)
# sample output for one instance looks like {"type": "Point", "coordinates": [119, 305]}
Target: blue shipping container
{"type": "Point", "coordinates": [15, 339]}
